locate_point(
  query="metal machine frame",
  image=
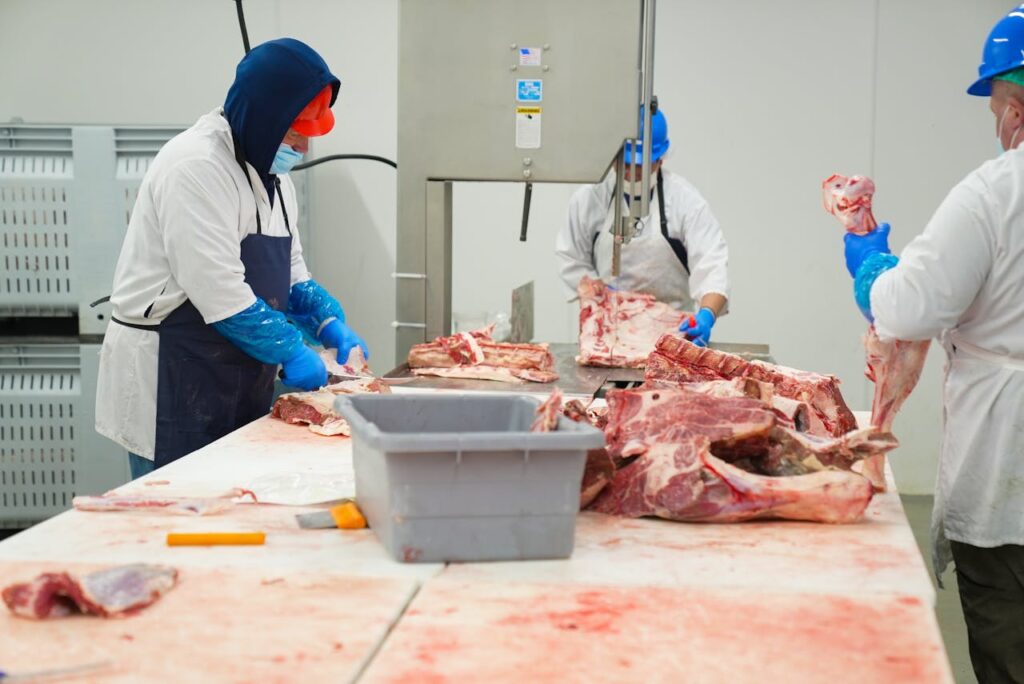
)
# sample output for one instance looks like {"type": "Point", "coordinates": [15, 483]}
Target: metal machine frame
{"type": "Point", "coordinates": [536, 91]}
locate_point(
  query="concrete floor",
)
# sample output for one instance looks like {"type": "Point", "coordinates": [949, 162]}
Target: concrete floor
{"type": "Point", "coordinates": [947, 608]}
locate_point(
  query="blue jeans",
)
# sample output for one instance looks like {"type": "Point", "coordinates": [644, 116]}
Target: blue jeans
{"type": "Point", "coordinates": [139, 465]}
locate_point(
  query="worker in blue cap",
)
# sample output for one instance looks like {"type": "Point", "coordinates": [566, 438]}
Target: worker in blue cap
{"type": "Point", "coordinates": [678, 253]}
{"type": "Point", "coordinates": [211, 293]}
{"type": "Point", "coordinates": [962, 281]}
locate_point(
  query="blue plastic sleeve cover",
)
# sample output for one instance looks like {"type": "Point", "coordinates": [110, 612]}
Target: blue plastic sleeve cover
{"type": "Point", "coordinates": [262, 333]}
{"type": "Point", "coordinates": [309, 305]}
{"type": "Point", "coordinates": [872, 267]}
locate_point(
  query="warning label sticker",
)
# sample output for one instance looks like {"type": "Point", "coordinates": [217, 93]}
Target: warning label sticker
{"type": "Point", "coordinates": [528, 128]}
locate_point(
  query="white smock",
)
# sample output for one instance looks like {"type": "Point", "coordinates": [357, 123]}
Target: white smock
{"type": "Point", "coordinates": [962, 280]}
{"type": "Point", "coordinates": [584, 245]}
{"type": "Point", "coordinates": [194, 208]}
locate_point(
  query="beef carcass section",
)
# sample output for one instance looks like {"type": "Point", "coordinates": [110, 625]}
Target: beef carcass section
{"type": "Point", "coordinates": [115, 592]}
{"type": "Point", "coordinates": [675, 359]}
{"type": "Point", "coordinates": [673, 447]}
{"type": "Point", "coordinates": [475, 355]}
{"type": "Point", "coordinates": [619, 329]}
{"type": "Point", "coordinates": [894, 366]}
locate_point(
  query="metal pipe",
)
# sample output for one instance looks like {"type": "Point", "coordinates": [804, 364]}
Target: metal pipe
{"type": "Point", "coordinates": [526, 211]}
{"type": "Point", "coordinates": [647, 81]}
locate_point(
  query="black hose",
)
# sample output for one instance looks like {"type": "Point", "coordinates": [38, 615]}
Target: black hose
{"type": "Point", "coordinates": [241, 25]}
{"type": "Point", "coordinates": [330, 157]}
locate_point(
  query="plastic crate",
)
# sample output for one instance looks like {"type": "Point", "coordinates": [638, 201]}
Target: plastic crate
{"type": "Point", "coordinates": [462, 478]}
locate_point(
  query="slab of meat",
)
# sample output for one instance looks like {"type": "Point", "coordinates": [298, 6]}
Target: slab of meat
{"type": "Point", "coordinates": [678, 478]}
{"type": "Point", "coordinates": [893, 365]}
{"type": "Point", "coordinates": [548, 412]}
{"type": "Point", "coordinates": [476, 356]}
{"type": "Point", "coordinates": [114, 592]}
{"type": "Point", "coordinates": [619, 329]}
{"type": "Point", "coordinates": [176, 505]}
{"type": "Point", "coordinates": [849, 200]}
{"type": "Point", "coordinates": [316, 409]}
{"type": "Point", "coordinates": [710, 452]}
{"type": "Point", "coordinates": [678, 360]}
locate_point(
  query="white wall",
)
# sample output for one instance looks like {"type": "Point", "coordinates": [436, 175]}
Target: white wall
{"type": "Point", "coordinates": [764, 100]}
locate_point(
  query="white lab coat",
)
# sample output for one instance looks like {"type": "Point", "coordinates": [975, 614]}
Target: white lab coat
{"type": "Point", "coordinates": [584, 245]}
{"type": "Point", "coordinates": [183, 242]}
{"type": "Point", "coordinates": [962, 280]}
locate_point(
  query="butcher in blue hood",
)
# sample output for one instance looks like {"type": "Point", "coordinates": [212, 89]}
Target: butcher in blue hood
{"type": "Point", "coordinates": [211, 293]}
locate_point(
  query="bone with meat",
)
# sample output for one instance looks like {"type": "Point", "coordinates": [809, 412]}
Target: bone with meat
{"type": "Point", "coordinates": [676, 359]}
{"type": "Point", "coordinates": [476, 356]}
{"type": "Point", "coordinates": [619, 329]}
{"type": "Point", "coordinates": [316, 409]}
{"type": "Point", "coordinates": [599, 469]}
{"type": "Point", "coordinates": [849, 200]}
{"type": "Point", "coordinates": [894, 366]}
{"type": "Point", "coordinates": [672, 448]}
{"type": "Point", "coordinates": [114, 592]}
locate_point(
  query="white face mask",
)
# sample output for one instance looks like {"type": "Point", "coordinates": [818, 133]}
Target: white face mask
{"type": "Point", "coordinates": [999, 133]}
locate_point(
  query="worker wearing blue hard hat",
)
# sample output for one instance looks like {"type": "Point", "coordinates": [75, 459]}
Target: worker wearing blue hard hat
{"type": "Point", "coordinates": [211, 292]}
{"type": "Point", "coordinates": [962, 281]}
{"type": "Point", "coordinates": [678, 253]}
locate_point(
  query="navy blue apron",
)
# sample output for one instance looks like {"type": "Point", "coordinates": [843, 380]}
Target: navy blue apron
{"type": "Point", "coordinates": [206, 386]}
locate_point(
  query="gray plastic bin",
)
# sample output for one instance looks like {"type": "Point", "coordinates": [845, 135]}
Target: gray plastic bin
{"type": "Point", "coordinates": [462, 478]}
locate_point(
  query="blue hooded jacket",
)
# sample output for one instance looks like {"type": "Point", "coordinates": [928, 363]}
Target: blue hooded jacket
{"type": "Point", "coordinates": [273, 83]}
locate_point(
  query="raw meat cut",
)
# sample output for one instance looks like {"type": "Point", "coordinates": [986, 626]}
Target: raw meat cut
{"type": "Point", "coordinates": [849, 200]}
{"type": "Point", "coordinates": [619, 329]}
{"type": "Point", "coordinates": [599, 468]}
{"type": "Point", "coordinates": [177, 505]}
{"type": "Point", "coordinates": [115, 592]}
{"type": "Point", "coordinates": [476, 356]}
{"type": "Point", "coordinates": [316, 409]}
{"type": "Point", "coordinates": [678, 360]}
{"type": "Point", "coordinates": [894, 366]}
{"type": "Point", "coordinates": [677, 478]}
{"type": "Point", "coordinates": [715, 454]}
{"type": "Point", "coordinates": [548, 412]}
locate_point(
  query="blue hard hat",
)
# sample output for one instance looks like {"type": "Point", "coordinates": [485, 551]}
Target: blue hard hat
{"type": "Point", "coordinates": [659, 144]}
{"type": "Point", "coordinates": [1004, 51]}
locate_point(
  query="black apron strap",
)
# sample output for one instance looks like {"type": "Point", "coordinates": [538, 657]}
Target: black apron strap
{"type": "Point", "coordinates": [677, 245]}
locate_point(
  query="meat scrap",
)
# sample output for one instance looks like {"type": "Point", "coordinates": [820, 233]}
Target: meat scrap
{"type": "Point", "coordinates": [719, 457]}
{"type": "Point", "coordinates": [316, 409]}
{"type": "Point", "coordinates": [676, 359]}
{"type": "Point", "coordinates": [114, 592]}
{"type": "Point", "coordinates": [176, 505]}
{"type": "Point", "coordinates": [476, 356]}
{"type": "Point", "coordinates": [619, 329]}
{"type": "Point", "coordinates": [894, 366]}
{"type": "Point", "coordinates": [599, 468]}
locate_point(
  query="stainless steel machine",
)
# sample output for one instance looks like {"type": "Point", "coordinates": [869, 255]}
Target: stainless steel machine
{"type": "Point", "coordinates": [535, 91]}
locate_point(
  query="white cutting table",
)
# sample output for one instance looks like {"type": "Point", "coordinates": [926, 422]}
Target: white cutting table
{"type": "Point", "coordinates": [639, 600]}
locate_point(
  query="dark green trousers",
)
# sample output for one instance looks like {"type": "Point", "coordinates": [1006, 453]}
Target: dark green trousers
{"type": "Point", "coordinates": [992, 595]}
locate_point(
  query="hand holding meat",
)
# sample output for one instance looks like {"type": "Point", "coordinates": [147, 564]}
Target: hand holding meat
{"type": "Point", "coordinates": [337, 335]}
{"type": "Point", "coordinates": [304, 370]}
{"type": "Point", "coordinates": [859, 247]}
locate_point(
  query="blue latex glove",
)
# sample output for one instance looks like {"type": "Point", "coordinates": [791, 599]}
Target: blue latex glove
{"type": "Point", "coordinates": [700, 332]}
{"type": "Point", "coordinates": [261, 332]}
{"type": "Point", "coordinates": [337, 335]}
{"type": "Point", "coordinates": [860, 247]}
{"type": "Point", "coordinates": [310, 305]}
{"type": "Point", "coordinates": [304, 370]}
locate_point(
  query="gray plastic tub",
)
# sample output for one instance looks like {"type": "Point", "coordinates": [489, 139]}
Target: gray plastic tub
{"type": "Point", "coordinates": [444, 477]}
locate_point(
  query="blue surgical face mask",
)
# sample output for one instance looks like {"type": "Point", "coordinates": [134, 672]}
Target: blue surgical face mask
{"type": "Point", "coordinates": [285, 159]}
